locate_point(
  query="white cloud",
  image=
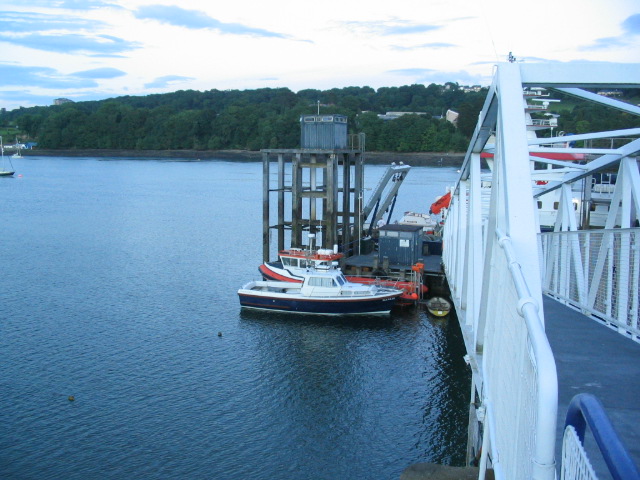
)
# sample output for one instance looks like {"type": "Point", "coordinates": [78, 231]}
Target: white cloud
{"type": "Point", "coordinates": [75, 48]}
{"type": "Point", "coordinates": [169, 80]}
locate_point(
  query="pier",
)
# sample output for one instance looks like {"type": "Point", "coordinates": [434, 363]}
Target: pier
{"type": "Point", "coordinates": [542, 263]}
{"type": "Point", "coordinates": [317, 188]}
{"type": "Point", "coordinates": [550, 320]}
{"type": "Point", "coordinates": [317, 191]}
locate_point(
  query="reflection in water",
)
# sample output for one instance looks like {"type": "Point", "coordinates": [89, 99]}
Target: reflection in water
{"type": "Point", "coordinates": [348, 380]}
{"type": "Point", "coordinates": [122, 273]}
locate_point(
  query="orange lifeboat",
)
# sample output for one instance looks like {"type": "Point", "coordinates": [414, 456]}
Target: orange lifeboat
{"type": "Point", "coordinates": [442, 202]}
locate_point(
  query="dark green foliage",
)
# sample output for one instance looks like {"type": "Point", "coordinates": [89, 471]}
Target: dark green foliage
{"type": "Point", "coordinates": [588, 118]}
{"type": "Point", "coordinates": [269, 118]}
{"type": "Point", "coordinates": [409, 133]}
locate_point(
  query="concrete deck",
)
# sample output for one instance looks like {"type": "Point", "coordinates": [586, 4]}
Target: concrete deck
{"type": "Point", "coordinates": [592, 358]}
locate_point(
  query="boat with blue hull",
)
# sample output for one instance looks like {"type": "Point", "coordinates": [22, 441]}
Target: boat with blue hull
{"type": "Point", "coordinates": [321, 292]}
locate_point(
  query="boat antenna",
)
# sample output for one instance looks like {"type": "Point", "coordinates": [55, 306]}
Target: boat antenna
{"type": "Point", "coordinates": [311, 237]}
{"type": "Point", "coordinates": [318, 107]}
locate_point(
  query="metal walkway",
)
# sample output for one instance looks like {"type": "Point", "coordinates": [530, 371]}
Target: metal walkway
{"type": "Point", "coordinates": [534, 361]}
{"type": "Point", "coordinates": [595, 359]}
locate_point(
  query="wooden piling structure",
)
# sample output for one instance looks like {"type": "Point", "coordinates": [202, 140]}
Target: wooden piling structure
{"type": "Point", "coordinates": [317, 191]}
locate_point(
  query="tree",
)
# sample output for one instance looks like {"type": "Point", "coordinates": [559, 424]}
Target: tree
{"type": "Point", "coordinates": [269, 118]}
{"type": "Point", "coordinates": [30, 124]}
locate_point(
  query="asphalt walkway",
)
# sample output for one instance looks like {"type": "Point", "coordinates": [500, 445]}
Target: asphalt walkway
{"type": "Point", "coordinates": [592, 358]}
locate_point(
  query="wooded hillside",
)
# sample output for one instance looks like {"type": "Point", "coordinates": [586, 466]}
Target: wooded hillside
{"type": "Point", "coordinates": [269, 118]}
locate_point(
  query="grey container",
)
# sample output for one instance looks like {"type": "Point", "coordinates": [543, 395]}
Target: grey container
{"type": "Point", "coordinates": [401, 244]}
{"type": "Point", "coordinates": [327, 132]}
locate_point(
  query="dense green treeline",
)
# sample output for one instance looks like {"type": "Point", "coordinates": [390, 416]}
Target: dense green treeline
{"type": "Point", "coordinates": [269, 118]}
{"type": "Point", "coordinates": [250, 119]}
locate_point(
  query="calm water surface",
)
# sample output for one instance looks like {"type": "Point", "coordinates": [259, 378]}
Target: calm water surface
{"type": "Point", "coordinates": [118, 275]}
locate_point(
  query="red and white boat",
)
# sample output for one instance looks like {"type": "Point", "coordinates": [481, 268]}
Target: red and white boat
{"type": "Point", "coordinates": [294, 262]}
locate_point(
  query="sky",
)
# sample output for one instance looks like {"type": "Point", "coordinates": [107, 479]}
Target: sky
{"type": "Point", "coordinates": [97, 49]}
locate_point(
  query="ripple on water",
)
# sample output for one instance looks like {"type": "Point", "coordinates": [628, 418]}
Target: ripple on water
{"type": "Point", "coordinates": [120, 276]}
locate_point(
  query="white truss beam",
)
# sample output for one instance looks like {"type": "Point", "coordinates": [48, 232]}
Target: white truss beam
{"type": "Point", "coordinates": [493, 258]}
{"type": "Point", "coordinates": [595, 98]}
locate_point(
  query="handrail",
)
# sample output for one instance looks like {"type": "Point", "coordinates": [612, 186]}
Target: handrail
{"type": "Point", "coordinates": [547, 384]}
{"type": "Point", "coordinates": [585, 409]}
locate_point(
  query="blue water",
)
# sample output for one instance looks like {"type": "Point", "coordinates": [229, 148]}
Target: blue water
{"type": "Point", "coordinates": [117, 277]}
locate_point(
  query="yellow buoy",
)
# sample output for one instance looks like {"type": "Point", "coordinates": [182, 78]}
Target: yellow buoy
{"type": "Point", "coordinates": [438, 306]}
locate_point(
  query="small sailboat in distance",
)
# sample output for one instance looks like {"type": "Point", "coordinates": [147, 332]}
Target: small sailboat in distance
{"type": "Point", "coordinates": [18, 149]}
{"type": "Point", "coordinates": [4, 172]}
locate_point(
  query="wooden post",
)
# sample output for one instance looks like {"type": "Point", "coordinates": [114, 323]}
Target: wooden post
{"type": "Point", "coordinates": [336, 217]}
{"type": "Point", "coordinates": [347, 219]}
{"type": "Point", "coordinates": [265, 207]}
{"type": "Point", "coordinates": [359, 201]}
{"type": "Point", "coordinates": [296, 201]}
{"type": "Point", "coordinates": [333, 193]}
{"type": "Point", "coordinates": [313, 214]}
{"type": "Point", "coordinates": [280, 202]}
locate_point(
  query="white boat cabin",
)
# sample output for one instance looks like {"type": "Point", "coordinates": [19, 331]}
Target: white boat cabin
{"type": "Point", "coordinates": [296, 258]}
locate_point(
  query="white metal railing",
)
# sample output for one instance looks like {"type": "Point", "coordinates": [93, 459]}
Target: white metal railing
{"type": "Point", "coordinates": [497, 293]}
{"type": "Point", "coordinates": [497, 280]}
{"type": "Point", "coordinates": [596, 271]}
{"type": "Point", "coordinates": [536, 107]}
{"type": "Point", "coordinates": [518, 381]}
{"type": "Point", "coordinates": [537, 122]}
{"type": "Point", "coordinates": [575, 463]}
{"type": "Point", "coordinates": [522, 383]}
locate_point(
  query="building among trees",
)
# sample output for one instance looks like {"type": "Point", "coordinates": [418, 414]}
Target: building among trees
{"type": "Point", "coordinates": [60, 101]}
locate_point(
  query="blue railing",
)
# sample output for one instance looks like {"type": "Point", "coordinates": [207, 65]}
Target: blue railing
{"type": "Point", "coordinates": [585, 409]}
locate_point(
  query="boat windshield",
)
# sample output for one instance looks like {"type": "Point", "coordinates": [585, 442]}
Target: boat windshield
{"type": "Point", "coordinates": [295, 262]}
{"type": "Point", "coordinates": [321, 282]}
{"type": "Point", "coordinates": [341, 280]}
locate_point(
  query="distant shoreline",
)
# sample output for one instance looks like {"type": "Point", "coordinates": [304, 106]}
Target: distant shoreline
{"type": "Point", "coordinates": [415, 159]}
